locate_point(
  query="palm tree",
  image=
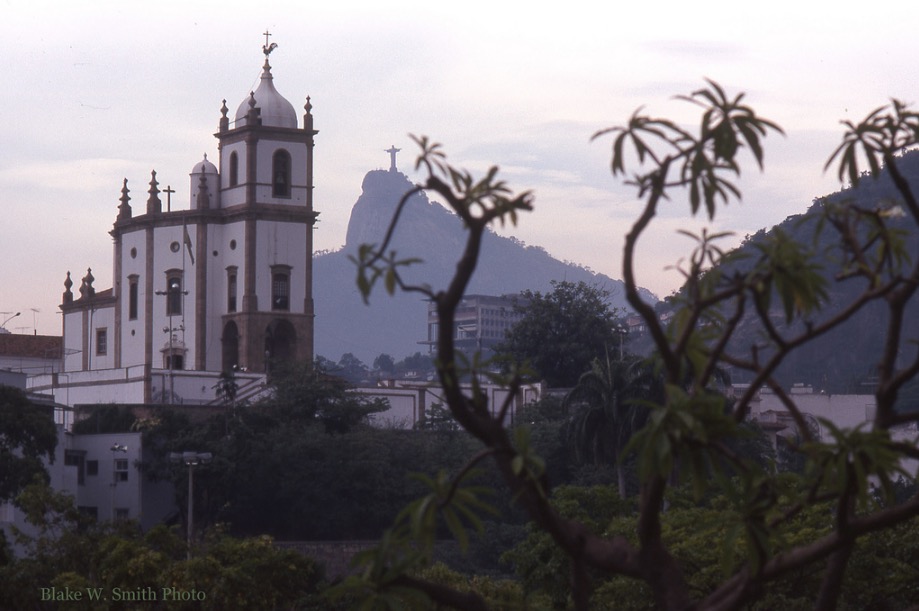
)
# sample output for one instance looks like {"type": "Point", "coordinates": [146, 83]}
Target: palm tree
{"type": "Point", "coordinates": [608, 410]}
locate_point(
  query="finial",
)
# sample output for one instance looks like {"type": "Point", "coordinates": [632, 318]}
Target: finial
{"type": "Point", "coordinates": [204, 196]}
{"type": "Point", "coordinates": [251, 99]}
{"type": "Point", "coordinates": [124, 209]}
{"type": "Point", "coordinates": [68, 294]}
{"type": "Point", "coordinates": [154, 205]}
{"type": "Point", "coordinates": [308, 107]}
{"type": "Point", "coordinates": [224, 124]}
{"type": "Point", "coordinates": [86, 288]}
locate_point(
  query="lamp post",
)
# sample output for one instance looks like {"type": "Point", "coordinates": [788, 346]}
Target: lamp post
{"type": "Point", "coordinates": [2, 326]}
{"type": "Point", "coordinates": [174, 287]}
{"type": "Point", "coordinates": [116, 447]}
{"type": "Point", "coordinates": [191, 460]}
{"type": "Point", "coordinates": [620, 330]}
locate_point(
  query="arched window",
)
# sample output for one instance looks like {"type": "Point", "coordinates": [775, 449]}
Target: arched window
{"type": "Point", "coordinates": [174, 293]}
{"type": "Point", "coordinates": [234, 169]}
{"type": "Point", "coordinates": [280, 172]}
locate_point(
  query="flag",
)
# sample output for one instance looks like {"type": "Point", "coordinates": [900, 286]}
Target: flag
{"type": "Point", "coordinates": [187, 240]}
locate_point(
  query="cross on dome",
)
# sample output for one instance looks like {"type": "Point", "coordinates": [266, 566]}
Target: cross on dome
{"type": "Point", "coordinates": [273, 109]}
{"type": "Point", "coordinates": [268, 48]}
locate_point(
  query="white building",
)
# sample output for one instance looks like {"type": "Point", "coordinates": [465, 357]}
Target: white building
{"type": "Point", "coordinates": [224, 284]}
{"type": "Point", "coordinates": [481, 322]}
{"type": "Point", "coordinates": [410, 402]}
{"type": "Point", "coordinates": [844, 411]}
{"type": "Point", "coordinates": [102, 473]}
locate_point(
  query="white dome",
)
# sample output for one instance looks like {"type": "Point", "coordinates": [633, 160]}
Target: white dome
{"type": "Point", "coordinates": [204, 167]}
{"type": "Point", "coordinates": [276, 111]}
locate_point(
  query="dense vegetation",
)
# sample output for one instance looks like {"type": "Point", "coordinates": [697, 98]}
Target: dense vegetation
{"type": "Point", "coordinates": [27, 437]}
{"type": "Point", "coordinates": [72, 553]}
{"type": "Point", "coordinates": [751, 318]}
{"type": "Point", "coordinates": [703, 513]}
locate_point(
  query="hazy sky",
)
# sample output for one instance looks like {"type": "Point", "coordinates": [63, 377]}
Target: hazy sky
{"type": "Point", "coordinates": [100, 91]}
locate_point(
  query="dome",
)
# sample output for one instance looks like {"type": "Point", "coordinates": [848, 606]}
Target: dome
{"type": "Point", "coordinates": [276, 111]}
{"type": "Point", "coordinates": [204, 167]}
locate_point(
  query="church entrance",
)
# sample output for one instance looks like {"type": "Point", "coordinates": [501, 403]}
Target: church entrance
{"type": "Point", "coordinates": [280, 342]}
{"type": "Point", "coordinates": [230, 341]}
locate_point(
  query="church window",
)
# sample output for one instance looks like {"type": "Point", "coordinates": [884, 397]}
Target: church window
{"type": "Point", "coordinates": [280, 173]}
{"type": "Point", "coordinates": [174, 294]}
{"type": "Point", "coordinates": [280, 287]}
{"type": "Point", "coordinates": [234, 169]}
{"type": "Point", "coordinates": [132, 297]}
{"type": "Point", "coordinates": [101, 342]}
{"type": "Point", "coordinates": [231, 289]}
{"type": "Point", "coordinates": [174, 360]}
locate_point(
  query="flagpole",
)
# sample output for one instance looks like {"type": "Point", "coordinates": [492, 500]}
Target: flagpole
{"type": "Point", "coordinates": [186, 243]}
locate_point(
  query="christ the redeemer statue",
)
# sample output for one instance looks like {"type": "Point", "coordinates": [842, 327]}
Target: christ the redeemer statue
{"type": "Point", "coordinates": [392, 157]}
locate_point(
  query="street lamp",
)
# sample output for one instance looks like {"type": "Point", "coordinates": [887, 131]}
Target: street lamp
{"type": "Point", "coordinates": [620, 330]}
{"type": "Point", "coordinates": [116, 447]}
{"type": "Point", "coordinates": [173, 287]}
{"type": "Point", "coordinates": [9, 319]}
{"type": "Point", "coordinates": [192, 460]}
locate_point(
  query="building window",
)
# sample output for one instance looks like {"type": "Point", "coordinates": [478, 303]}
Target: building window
{"type": "Point", "coordinates": [74, 458]}
{"type": "Point", "coordinates": [280, 172]}
{"type": "Point", "coordinates": [86, 510]}
{"type": "Point", "coordinates": [92, 467]}
{"type": "Point", "coordinates": [101, 342]}
{"type": "Point", "coordinates": [132, 297]}
{"type": "Point", "coordinates": [231, 289]}
{"type": "Point", "coordinates": [121, 514]}
{"type": "Point", "coordinates": [234, 169]}
{"type": "Point", "coordinates": [121, 470]}
{"type": "Point", "coordinates": [174, 293]}
{"type": "Point", "coordinates": [174, 361]}
{"type": "Point", "coordinates": [280, 288]}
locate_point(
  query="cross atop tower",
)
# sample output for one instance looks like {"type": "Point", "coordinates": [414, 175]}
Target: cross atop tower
{"type": "Point", "coordinates": [268, 48]}
{"type": "Point", "coordinates": [392, 157]}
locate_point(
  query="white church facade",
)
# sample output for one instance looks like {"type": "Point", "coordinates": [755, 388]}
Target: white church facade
{"type": "Point", "coordinates": [225, 284]}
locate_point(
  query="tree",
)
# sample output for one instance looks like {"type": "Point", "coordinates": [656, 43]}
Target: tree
{"type": "Point", "coordinates": [782, 291]}
{"type": "Point", "coordinates": [27, 437]}
{"type": "Point", "coordinates": [385, 363]}
{"type": "Point", "coordinates": [561, 331]}
{"type": "Point", "coordinates": [351, 368]}
{"type": "Point", "coordinates": [608, 400]}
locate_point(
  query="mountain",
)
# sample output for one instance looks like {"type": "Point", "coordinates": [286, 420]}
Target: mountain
{"type": "Point", "coordinates": [397, 324]}
{"type": "Point", "coordinates": [845, 359]}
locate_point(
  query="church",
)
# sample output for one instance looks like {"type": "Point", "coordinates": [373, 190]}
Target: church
{"type": "Point", "coordinates": [224, 285]}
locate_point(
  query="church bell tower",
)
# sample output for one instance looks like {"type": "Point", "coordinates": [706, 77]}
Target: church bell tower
{"type": "Point", "coordinates": [266, 204]}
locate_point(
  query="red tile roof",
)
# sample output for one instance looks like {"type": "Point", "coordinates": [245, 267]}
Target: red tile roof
{"type": "Point", "coordinates": [31, 346]}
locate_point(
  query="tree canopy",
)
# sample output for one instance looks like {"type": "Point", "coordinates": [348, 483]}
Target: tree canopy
{"type": "Point", "coordinates": [561, 331]}
{"type": "Point", "coordinates": [849, 477]}
{"type": "Point", "coordinates": [28, 436]}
